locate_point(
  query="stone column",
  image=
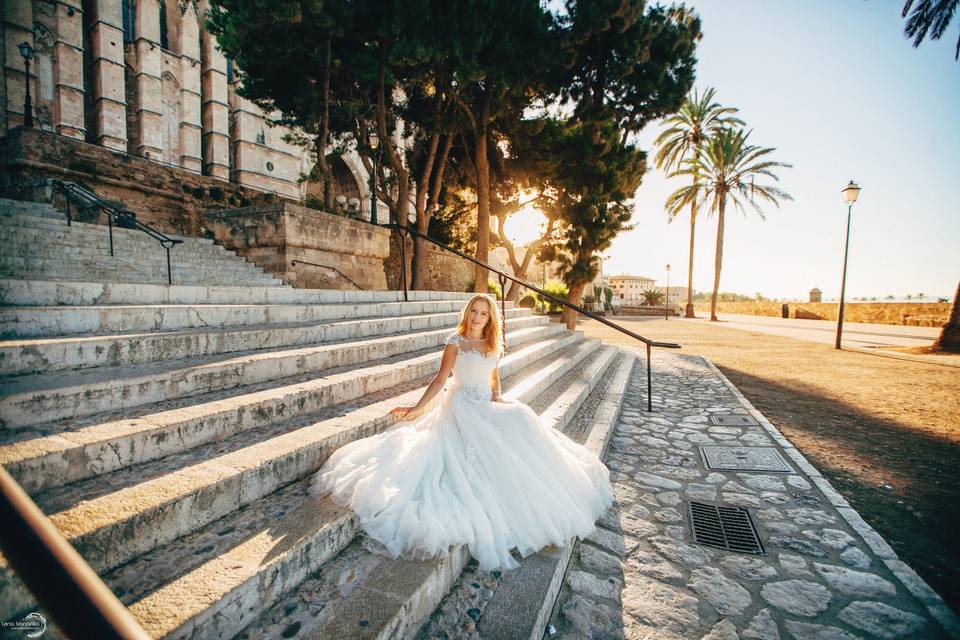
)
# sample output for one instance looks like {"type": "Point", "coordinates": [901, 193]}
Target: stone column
{"type": "Point", "coordinates": [17, 28]}
{"type": "Point", "coordinates": [109, 82]}
{"type": "Point", "coordinates": [216, 109]}
{"type": "Point", "coordinates": [190, 96]}
{"type": "Point", "coordinates": [68, 72]}
{"type": "Point", "coordinates": [149, 117]}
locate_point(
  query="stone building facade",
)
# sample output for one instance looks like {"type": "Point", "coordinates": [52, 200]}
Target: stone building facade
{"type": "Point", "coordinates": [145, 78]}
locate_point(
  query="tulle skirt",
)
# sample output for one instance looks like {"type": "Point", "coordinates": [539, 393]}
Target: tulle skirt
{"type": "Point", "coordinates": [471, 471]}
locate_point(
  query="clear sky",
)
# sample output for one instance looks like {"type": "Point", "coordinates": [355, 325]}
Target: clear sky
{"type": "Point", "coordinates": [835, 87]}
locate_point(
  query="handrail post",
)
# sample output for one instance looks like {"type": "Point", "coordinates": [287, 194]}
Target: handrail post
{"type": "Point", "coordinates": [503, 305]}
{"type": "Point", "coordinates": [649, 383]}
{"type": "Point", "coordinates": [403, 260]}
{"type": "Point", "coordinates": [169, 274]}
{"type": "Point", "coordinates": [110, 224]}
{"type": "Point", "coordinates": [67, 198]}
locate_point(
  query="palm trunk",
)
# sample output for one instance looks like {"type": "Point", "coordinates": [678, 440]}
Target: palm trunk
{"type": "Point", "coordinates": [688, 313]}
{"type": "Point", "coordinates": [718, 261]}
{"type": "Point", "coordinates": [949, 339]}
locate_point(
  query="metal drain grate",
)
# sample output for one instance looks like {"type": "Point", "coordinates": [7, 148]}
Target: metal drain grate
{"type": "Point", "coordinates": [733, 420]}
{"type": "Point", "coordinates": [724, 458]}
{"type": "Point", "coordinates": [724, 527]}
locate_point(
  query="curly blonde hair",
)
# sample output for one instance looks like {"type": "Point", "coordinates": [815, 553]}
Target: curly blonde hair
{"type": "Point", "coordinates": [493, 330]}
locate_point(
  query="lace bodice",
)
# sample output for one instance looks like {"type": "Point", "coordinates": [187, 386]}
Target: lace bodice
{"type": "Point", "coordinates": [473, 368]}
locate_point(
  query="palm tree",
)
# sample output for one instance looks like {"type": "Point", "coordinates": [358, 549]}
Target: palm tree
{"type": "Point", "coordinates": [929, 14]}
{"type": "Point", "coordinates": [652, 297]}
{"type": "Point", "coordinates": [726, 168]}
{"type": "Point", "coordinates": [686, 132]}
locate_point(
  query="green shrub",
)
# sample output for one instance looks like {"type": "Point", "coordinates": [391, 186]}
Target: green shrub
{"type": "Point", "coordinates": [528, 300]}
{"type": "Point", "coordinates": [492, 287]}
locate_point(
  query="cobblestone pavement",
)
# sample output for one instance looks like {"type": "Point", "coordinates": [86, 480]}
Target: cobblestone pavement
{"type": "Point", "coordinates": [825, 574]}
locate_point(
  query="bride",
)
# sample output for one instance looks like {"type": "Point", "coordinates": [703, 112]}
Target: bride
{"type": "Point", "coordinates": [473, 470]}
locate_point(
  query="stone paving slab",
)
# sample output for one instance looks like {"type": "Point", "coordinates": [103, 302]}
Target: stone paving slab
{"type": "Point", "coordinates": [825, 574]}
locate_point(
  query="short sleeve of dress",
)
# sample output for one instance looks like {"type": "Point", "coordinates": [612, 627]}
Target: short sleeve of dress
{"type": "Point", "coordinates": [454, 338]}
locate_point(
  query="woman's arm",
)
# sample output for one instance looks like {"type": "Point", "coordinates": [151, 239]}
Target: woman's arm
{"type": "Point", "coordinates": [495, 383]}
{"type": "Point", "coordinates": [446, 366]}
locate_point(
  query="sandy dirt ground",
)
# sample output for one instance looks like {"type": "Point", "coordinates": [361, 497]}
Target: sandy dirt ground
{"type": "Point", "coordinates": [885, 431]}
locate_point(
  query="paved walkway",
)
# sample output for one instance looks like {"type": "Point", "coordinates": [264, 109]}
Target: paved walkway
{"type": "Point", "coordinates": [825, 574]}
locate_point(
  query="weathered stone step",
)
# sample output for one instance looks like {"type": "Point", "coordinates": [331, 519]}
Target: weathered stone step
{"type": "Point", "coordinates": [19, 223]}
{"type": "Point", "coordinates": [148, 266]}
{"type": "Point", "coordinates": [60, 353]}
{"type": "Point", "coordinates": [61, 452]}
{"type": "Point", "coordinates": [28, 244]}
{"type": "Point", "coordinates": [368, 596]}
{"type": "Point", "coordinates": [31, 400]}
{"type": "Point", "coordinates": [39, 292]}
{"type": "Point", "coordinates": [144, 507]}
{"type": "Point", "coordinates": [64, 320]}
{"type": "Point", "coordinates": [27, 238]}
{"type": "Point", "coordinates": [26, 207]}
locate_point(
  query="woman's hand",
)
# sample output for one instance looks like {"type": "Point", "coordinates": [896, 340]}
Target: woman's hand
{"type": "Point", "coordinates": [497, 398]}
{"type": "Point", "coordinates": [406, 413]}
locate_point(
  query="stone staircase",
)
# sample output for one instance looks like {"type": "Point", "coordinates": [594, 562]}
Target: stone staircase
{"type": "Point", "coordinates": [36, 243]}
{"type": "Point", "coordinates": [169, 434]}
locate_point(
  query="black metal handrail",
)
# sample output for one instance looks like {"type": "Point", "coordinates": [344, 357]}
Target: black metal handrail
{"type": "Point", "coordinates": [60, 579]}
{"type": "Point", "coordinates": [73, 190]}
{"type": "Point", "coordinates": [326, 266]}
{"type": "Point", "coordinates": [503, 277]}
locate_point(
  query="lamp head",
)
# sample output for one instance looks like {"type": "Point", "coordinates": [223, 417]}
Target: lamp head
{"type": "Point", "coordinates": [374, 140]}
{"type": "Point", "coordinates": [26, 50]}
{"type": "Point", "coordinates": [850, 192]}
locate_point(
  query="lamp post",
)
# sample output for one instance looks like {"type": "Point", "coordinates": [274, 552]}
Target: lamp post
{"type": "Point", "coordinates": [850, 193]}
{"type": "Point", "coordinates": [27, 52]}
{"type": "Point", "coordinates": [375, 146]}
{"type": "Point", "coordinates": [666, 297]}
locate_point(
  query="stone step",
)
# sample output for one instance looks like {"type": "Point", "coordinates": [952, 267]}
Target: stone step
{"type": "Point", "coordinates": [72, 238]}
{"type": "Point", "coordinates": [151, 505]}
{"type": "Point", "coordinates": [23, 222]}
{"type": "Point", "coordinates": [29, 209]}
{"type": "Point", "coordinates": [32, 400]}
{"type": "Point", "coordinates": [34, 292]}
{"type": "Point", "coordinates": [368, 596]}
{"type": "Point", "coordinates": [189, 278]}
{"type": "Point", "coordinates": [22, 248]}
{"type": "Point", "coordinates": [98, 320]}
{"type": "Point", "coordinates": [77, 449]}
{"type": "Point", "coordinates": [62, 352]}
{"type": "Point", "coordinates": [148, 265]}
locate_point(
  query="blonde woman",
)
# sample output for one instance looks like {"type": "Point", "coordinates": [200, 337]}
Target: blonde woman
{"type": "Point", "coordinates": [473, 470]}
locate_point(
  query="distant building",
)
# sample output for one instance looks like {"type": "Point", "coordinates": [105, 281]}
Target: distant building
{"type": "Point", "coordinates": [815, 295]}
{"type": "Point", "coordinates": [631, 288]}
{"type": "Point", "coordinates": [676, 295]}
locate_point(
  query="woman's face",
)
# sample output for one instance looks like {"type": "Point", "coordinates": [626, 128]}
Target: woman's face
{"type": "Point", "coordinates": [478, 315]}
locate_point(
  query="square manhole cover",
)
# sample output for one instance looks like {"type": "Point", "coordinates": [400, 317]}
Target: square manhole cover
{"type": "Point", "coordinates": [723, 458]}
{"type": "Point", "coordinates": [733, 420]}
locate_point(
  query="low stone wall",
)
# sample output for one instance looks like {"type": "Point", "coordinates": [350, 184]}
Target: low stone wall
{"type": "Point", "coordinates": [170, 199]}
{"type": "Point", "coordinates": [925, 314]}
{"type": "Point", "coordinates": [646, 311]}
{"type": "Point", "coordinates": [305, 247]}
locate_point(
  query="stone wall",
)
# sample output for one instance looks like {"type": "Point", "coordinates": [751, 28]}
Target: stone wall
{"type": "Point", "coordinates": [925, 314]}
{"type": "Point", "coordinates": [167, 198]}
{"type": "Point", "coordinates": [305, 247]}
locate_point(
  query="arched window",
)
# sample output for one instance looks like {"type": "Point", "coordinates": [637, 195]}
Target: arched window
{"type": "Point", "coordinates": [129, 10]}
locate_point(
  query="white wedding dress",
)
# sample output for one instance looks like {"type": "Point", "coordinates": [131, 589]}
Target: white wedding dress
{"type": "Point", "coordinates": [486, 474]}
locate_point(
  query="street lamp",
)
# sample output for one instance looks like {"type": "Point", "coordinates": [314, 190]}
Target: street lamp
{"type": "Point", "coordinates": [850, 193]}
{"type": "Point", "coordinates": [27, 52]}
{"type": "Point", "coordinates": [375, 146]}
{"type": "Point", "coordinates": [666, 297]}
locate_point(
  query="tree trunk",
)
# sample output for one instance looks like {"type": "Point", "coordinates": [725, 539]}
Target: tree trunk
{"type": "Point", "coordinates": [688, 313]}
{"type": "Point", "coordinates": [718, 261]}
{"type": "Point", "coordinates": [949, 339]}
{"type": "Point", "coordinates": [573, 296]}
{"type": "Point", "coordinates": [482, 163]}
